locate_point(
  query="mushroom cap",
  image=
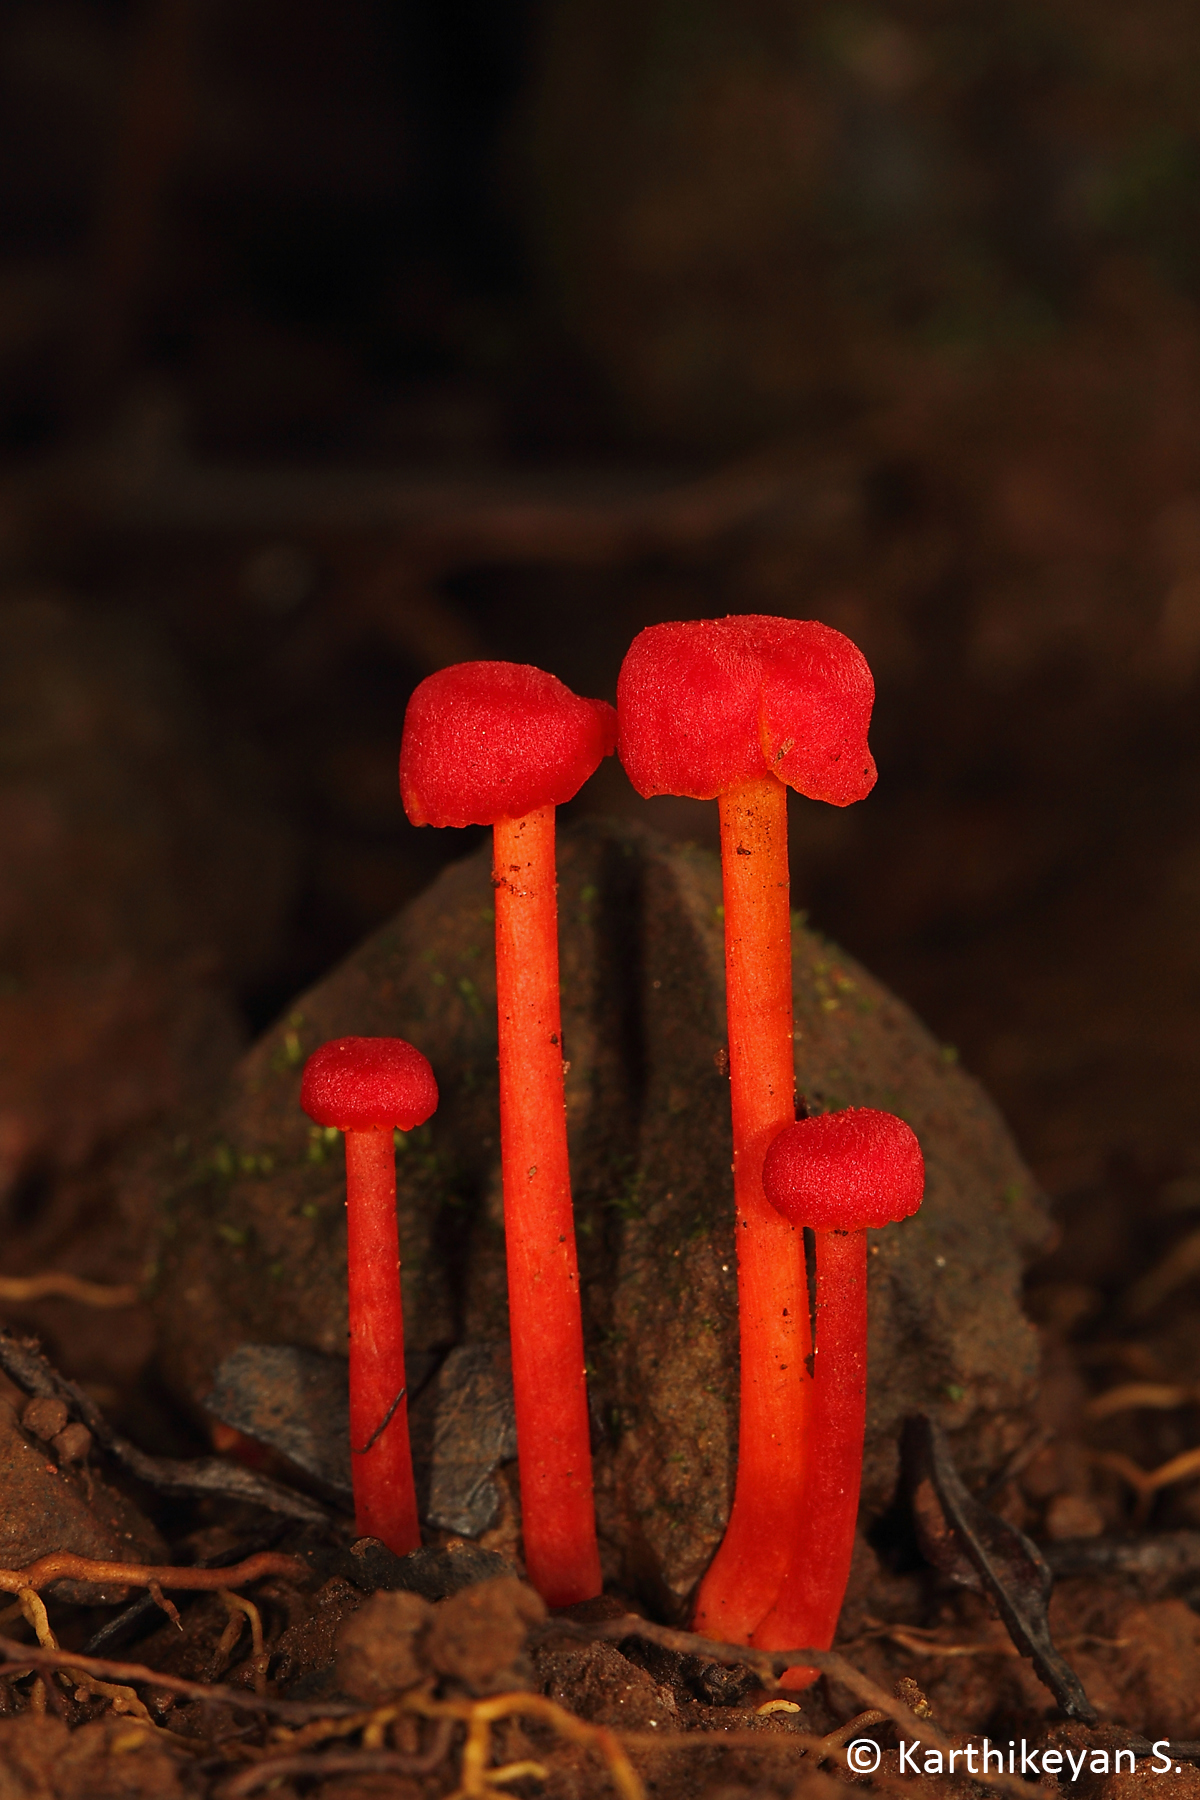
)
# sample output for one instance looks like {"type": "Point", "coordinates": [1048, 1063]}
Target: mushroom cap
{"type": "Point", "coordinates": [711, 703]}
{"type": "Point", "coordinates": [845, 1171]}
{"type": "Point", "coordinates": [485, 741]}
{"type": "Point", "coordinates": [368, 1084]}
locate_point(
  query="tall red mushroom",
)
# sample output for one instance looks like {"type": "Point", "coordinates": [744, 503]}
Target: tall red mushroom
{"type": "Point", "coordinates": [368, 1088]}
{"type": "Point", "coordinates": [732, 710]}
{"type": "Point", "coordinates": [503, 744]}
{"type": "Point", "coordinates": [840, 1174]}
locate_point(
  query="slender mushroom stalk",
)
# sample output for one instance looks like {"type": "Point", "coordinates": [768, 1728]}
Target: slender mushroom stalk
{"type": "Point", "coordinates": [732, 710]}
{"type": "Point", "coordinates": [368, 1088]}
{"type": "Point", "coordinates": [840, 1174]}
{"type": "Point", "coordinates": [503, 744]}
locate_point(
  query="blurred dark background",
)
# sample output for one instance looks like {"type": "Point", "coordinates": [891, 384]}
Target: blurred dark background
{"type": "Point", "coordinates": [338, 342]}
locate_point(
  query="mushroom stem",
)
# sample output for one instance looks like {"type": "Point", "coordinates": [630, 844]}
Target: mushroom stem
{"type": "Point", "coordinates": [549, 1383]}
{"type": "Point", "coordinates": [811, 1596]}
{"type": "Point", "coordinates": [385, 1500]}
{"type": "Point", "coordinates": [744, 1578]}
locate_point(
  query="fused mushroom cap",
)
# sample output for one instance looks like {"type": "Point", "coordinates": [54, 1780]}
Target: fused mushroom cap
{"type": "Point", "coordinates": [368, 1084]}
{"type": "Point", "coordinates": [845, 1171]}
{"type": "Point", "coordinates": [485, 741]}
{"type": "Point", "coordinates": [711, 703]}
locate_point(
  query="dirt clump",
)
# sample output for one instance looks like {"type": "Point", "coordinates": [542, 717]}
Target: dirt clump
{"type": "Point", "coordinates": [52, 1506]}
{"type": "Point", "coordinates": [478, 1636]}
{"type": "Point", "coordinates": [598, 1683]}
{"type": "Point", "coordinates": [111, 1759]}
{"type": "Point", "coordinates": [381, 1649]}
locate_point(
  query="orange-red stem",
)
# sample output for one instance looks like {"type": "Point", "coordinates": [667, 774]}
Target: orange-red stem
{"type": "Point", "coordinates": [746, 1574]}
{"type": "Point", "coordinates": [810, 1600]}
{"type": "Point", "coordinates": [385, 1500]}
{"type": "Point", "coordinates": [549, 1385]}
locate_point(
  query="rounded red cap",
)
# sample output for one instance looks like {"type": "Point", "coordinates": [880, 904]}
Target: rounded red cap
{"type": "Point", "coordinates": [368, 1083]}
{"type": "Point", "coordinates": [711, 703]}
{"type": "Point", "coordinates": [845, 1171]}
{"type": "Point", "coordinates": [493, 740]}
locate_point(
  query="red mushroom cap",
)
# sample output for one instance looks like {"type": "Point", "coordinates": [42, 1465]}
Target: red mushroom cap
{"type": "Point", "coordinates": [368, 1084]}
{"type": "Point", "coordinates": [485, 741]}
{"type": "Point", "coordinates": [845, 1171]}
{"type": "Point", "coordinates": [709, 704]}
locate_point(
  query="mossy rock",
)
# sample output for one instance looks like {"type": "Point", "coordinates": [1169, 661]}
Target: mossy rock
{"type": "Point", "coordinates": [246, 1209]}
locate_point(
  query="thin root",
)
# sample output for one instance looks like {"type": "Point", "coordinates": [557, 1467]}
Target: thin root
{"type": "Point", "coordinates": [61, 1565]}
{"type": "Point", "coordinates": [236, 1604]}
{"type": "Point", "coordinates": [57, 1285]}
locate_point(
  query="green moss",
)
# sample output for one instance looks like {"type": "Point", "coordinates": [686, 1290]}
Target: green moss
{"type": "Point", "coordinates": [321, 1139]}
{"type": "Point", "coordinates": [627, 1201]}
{"type": "Point", "coordinates": [289, 1052]}
{"type": "Point", "coordinates": [470, 994]}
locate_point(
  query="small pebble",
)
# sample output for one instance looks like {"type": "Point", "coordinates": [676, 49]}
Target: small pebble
{"type": "Point", "coordinates": [1073, 1516]}
{"type": "Point", "coordinates": [45, 1418]}
{"type": "Point", "coordinates": [72, 1444]}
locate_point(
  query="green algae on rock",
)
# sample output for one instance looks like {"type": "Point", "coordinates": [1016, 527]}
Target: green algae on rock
{"type": "Point", "coordinates": [244, 1207]}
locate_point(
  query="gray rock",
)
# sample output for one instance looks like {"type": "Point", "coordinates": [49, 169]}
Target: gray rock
{"type": "Point", "coordinates": [246, 1206]}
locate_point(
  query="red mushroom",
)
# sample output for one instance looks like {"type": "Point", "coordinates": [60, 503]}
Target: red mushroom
{"type": "Point", "coordinates": [840, 1174]}
{"type": "Point", "coordinates": [503, 744]}
{"type": "Point", "coordinates": [368, 1088]}
{"type": "Point", "coordinates": [731, 710]}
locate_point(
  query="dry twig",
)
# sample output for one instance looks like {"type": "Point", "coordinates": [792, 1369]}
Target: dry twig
{"type": "Point", "coordinates": [923, 1642]}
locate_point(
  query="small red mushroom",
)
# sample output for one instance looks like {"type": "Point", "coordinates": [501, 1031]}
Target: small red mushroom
{"type": "Point", "coordinates": [503, 744]}
{"type": "Point", "coordinates": [732, 710]}
{"type": "Point", "coordinates": [369, 1087]}
{"type": "Point", "coordinates": [841, 1174]}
